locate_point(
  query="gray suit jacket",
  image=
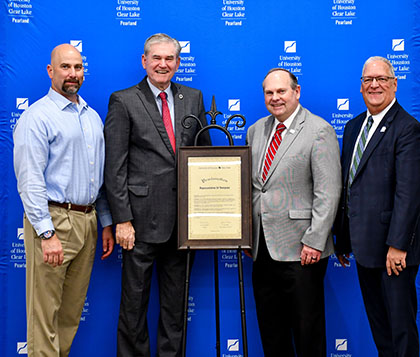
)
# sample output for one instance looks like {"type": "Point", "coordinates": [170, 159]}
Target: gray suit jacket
{"type": "Point", "coordinates": [140, 165]}
{"type": "Point", "coordinates": [298, 202]}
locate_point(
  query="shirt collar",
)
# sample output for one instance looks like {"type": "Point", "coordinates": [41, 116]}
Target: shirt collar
{"type": "Point", "coordinates": [156, 91]}
{"type": "Point", "coordinates": [62, 102]}
{"type": "Point", "coordinates": [378, 117]}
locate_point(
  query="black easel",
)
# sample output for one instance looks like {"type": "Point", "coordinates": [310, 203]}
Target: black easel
{"type": "Point", "coordinates": [213, 113]}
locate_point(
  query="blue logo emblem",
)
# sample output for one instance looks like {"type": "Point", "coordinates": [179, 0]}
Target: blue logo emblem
{"type": "Point", "coordinates": [398, 44]}
{"type": "Point", "coordinates": [20, 233]}
{"type": "Point", "coordinates": [22, 348]}
{"type": "Point", "coordinates": [185, 46]}
{"type": "Point", "coordinates": [343, 103]}
{"type": "Point", "coordinates": [341, 344]}
{"type": "Point", "coordinates": [233, 344]}
{"type": "Point", "coordinates": [290, 46]}
{"type": "Point", "coordinates": [234, 105]}
{"type": "Point", "coordinates": [78, 44]}
{"type": "Point", "coordinates": [22, 103]}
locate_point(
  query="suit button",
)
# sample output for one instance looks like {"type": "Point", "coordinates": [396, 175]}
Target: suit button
{"type": "Point", "coordinates": [263, 190]}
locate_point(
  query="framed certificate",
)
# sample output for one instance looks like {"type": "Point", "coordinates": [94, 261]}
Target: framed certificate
{"type": "Point", "coordinates": [214, 197]}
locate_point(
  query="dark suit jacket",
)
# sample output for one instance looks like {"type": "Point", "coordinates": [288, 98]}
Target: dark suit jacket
{"type": "Point", "coordinates": [140, 165]}
{"type": "Point", "coordinates": [384, 201]}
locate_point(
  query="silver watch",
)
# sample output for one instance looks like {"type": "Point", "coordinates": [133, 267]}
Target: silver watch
{"type": "Point", "coordinates": [47, 234]}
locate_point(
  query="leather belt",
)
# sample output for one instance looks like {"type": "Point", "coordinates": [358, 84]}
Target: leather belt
{"type": "Point", "coordinates": [73, 207]}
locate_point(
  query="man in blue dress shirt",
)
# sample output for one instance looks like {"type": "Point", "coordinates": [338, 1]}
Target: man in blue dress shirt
{"type": "Point", "coordinates": [59, 164]}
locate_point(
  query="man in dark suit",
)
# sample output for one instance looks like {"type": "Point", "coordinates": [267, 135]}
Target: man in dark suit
{"type": "Point", "coordinates": [142, 131]}
{"type": "Point", "coordinates": [380, 208]}
{"type": "Point", "coordinates": [296, 187]}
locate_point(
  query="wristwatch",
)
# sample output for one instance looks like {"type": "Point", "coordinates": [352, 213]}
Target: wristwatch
{"type": "Point", "coordinates": [47, 234]}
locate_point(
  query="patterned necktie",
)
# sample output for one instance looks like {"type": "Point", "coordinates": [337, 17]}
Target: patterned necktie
{"type": "Point", "coordinates": [166, 116]}
{"type": "Point", "coordinates": [361, 145]}
{"type": "Point", "coordinates": [272, 149]}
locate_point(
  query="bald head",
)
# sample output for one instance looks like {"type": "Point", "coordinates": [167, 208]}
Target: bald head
{"type": "Point", "coordinates": [66, 71]}
{"type": "Point", "coordinates": [61, 50]}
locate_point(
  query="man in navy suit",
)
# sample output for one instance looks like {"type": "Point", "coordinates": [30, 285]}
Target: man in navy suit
{"type": "Point", "coordinates": [380, 208]}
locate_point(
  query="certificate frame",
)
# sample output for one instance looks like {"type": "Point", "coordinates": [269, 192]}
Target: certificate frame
{"type": "Point", "coordinates": [188, 199]}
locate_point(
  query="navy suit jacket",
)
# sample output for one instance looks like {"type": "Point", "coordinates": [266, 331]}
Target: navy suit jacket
{"type": "Point", "coordinates": [383, 204]}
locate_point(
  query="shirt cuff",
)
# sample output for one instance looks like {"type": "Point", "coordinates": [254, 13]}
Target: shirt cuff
{"type": "Point", "coordinates": [43, 226]}
{"type": "Point", "coordinates": [105, 219]}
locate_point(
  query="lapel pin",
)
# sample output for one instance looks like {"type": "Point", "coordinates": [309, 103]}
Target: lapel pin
{"type": "Point", "coordinates": [383, 129]}
{"type": "Point", "coordinates": [180, 96]}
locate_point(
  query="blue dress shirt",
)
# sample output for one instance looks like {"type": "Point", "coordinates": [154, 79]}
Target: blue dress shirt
{"type": "Point", "coordinates": [59, 156]}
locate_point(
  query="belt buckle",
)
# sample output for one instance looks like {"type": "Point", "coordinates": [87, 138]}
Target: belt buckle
{"type": "Point", "coordinates": [68, 206]}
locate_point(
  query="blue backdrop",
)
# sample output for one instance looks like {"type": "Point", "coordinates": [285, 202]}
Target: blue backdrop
{"type": "Point", "coordinates": [228, 46]}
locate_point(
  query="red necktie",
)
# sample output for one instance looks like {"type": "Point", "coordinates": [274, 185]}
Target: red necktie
{"type": "Point", "coordinates": [166, 116]}
{"type": "Point", "coordinates": [272, 149]}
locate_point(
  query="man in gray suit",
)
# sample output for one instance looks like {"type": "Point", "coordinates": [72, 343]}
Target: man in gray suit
{"type": "Point", "coordinates": [296, 188]}
{"type": "Point", "coordinates": [142, 132]}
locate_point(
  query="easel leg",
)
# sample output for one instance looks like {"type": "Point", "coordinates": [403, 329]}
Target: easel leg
{"type": "Point", "coordinates": [186, 293]}
{"type": "Point", "coordinates": [216, 297]}
{"type": "Point", "coordinates": [242, 302]}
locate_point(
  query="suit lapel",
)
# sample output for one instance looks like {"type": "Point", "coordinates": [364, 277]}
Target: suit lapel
{"type": "Point", "coordinates": [146, 96]}
{"type": "Point", "coordinates": [377, 137]}
{"type": "Point", "coordinates": [179, 110]}
{"type": "Point", "coordinates": [290, 136]}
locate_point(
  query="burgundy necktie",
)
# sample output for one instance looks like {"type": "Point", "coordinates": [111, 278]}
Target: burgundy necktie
{"type": "Point", "coordinates": [166, 116]}
{"type": "Point", "coordinates": [271, 152]}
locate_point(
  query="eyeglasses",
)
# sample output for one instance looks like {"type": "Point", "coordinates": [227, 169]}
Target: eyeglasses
{"type": "Point", "coordinates": [381, 79]}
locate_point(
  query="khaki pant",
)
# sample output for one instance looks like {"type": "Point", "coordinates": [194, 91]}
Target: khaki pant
{"type": "Point", "coordinates": [55, 296]}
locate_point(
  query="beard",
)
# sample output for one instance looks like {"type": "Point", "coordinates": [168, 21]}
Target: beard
{"type": "Point", "coordinates": [71, 87]}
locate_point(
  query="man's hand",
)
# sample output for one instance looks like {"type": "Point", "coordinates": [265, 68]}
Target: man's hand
{"type": "Point", "coordinates": [395, 261]}
{"type": "Point", "coordinates": [52, 251]}
{"type": "Point", "coordinates": [107, 242]}
{"type": "Point", "coordinates": [309, 255]}
{"type": "Point", "coordinates": [344, 260]}
{"type": "Point", "coordinates": [125, 235]}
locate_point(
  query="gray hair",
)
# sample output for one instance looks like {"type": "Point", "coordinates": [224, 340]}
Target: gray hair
{"type": "Point", "coordinates": [293, 78]}
{"type": "Point", "coordinates": [161, 38]}
{"type": "Point", "coordinates": [379, 58]}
